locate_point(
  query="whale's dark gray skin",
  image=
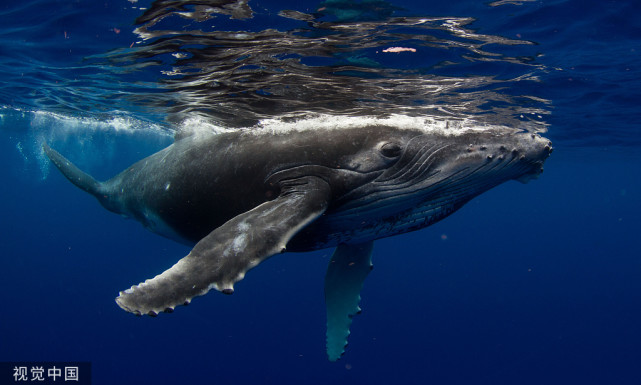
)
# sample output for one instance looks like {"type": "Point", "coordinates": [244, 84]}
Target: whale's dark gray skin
{"type": "Point", "coordinates": [241, 197]}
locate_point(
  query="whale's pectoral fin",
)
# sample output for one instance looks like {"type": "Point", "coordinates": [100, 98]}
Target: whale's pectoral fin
{"type": "Point", "coordinates": [346, 273]}
{"type": "Point", "coordinates": [224, 256]}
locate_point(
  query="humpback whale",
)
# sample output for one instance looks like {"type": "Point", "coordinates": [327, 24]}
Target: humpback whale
{"type": "Point", "coordinates": [240, 197]}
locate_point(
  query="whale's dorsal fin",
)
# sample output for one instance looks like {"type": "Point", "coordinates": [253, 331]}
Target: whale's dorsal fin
{"type": "Point", "coordinates": [346, 273]}
{"type": "Point", "coordinates": [223, 257]}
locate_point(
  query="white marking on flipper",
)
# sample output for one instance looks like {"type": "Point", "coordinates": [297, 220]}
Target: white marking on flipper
{"type": "Point", "coordinates": [220, 260]}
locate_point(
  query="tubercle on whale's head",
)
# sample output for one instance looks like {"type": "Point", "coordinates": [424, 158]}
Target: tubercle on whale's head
{"type": "Point", "coordinates": [500, 155]}
{"type": "Point", "coordinates": [450, 169]}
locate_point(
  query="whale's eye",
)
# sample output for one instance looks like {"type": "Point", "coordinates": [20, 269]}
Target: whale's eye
{"type": "Point", "coordinates": [391, 150]}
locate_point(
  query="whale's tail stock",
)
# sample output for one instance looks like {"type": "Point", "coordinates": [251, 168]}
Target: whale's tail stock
{"type": "Point", "coordinates": [76, 176]}
{"type": "Point", "coordinates": [80, 178]}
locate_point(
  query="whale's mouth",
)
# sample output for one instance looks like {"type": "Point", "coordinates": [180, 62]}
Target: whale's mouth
{"type": "Point", "coordinates": [542, 152]}
{"type": "Point", "coordinates": [526, 178]}
{"type": "Point", "coordinates": [452, 168]}
{"type": "Point", "coordinates": [447, 172]}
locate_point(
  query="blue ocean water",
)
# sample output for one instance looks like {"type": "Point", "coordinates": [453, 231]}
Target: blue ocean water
{"type": "Point", "coordinates": [527, 284]}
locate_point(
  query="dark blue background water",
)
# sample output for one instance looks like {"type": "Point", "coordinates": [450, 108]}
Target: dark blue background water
{"type": "Point", "coordinates": [527, 284]}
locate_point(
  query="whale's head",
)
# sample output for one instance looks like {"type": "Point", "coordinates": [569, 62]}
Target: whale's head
{"type": "Point", "coordinates": [429, 175]}
{"type": "Point", "coordinates": [464, 162]}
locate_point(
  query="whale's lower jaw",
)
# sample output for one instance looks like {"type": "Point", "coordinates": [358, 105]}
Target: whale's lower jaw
{"type": "Point", "coordinates": [381, 215]}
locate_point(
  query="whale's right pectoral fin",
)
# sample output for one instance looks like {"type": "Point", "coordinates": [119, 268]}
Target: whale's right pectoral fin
{"type": "Point", "coordinates": [224, 256]}
{"type": "Point", "coordinates": [346, 273]}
